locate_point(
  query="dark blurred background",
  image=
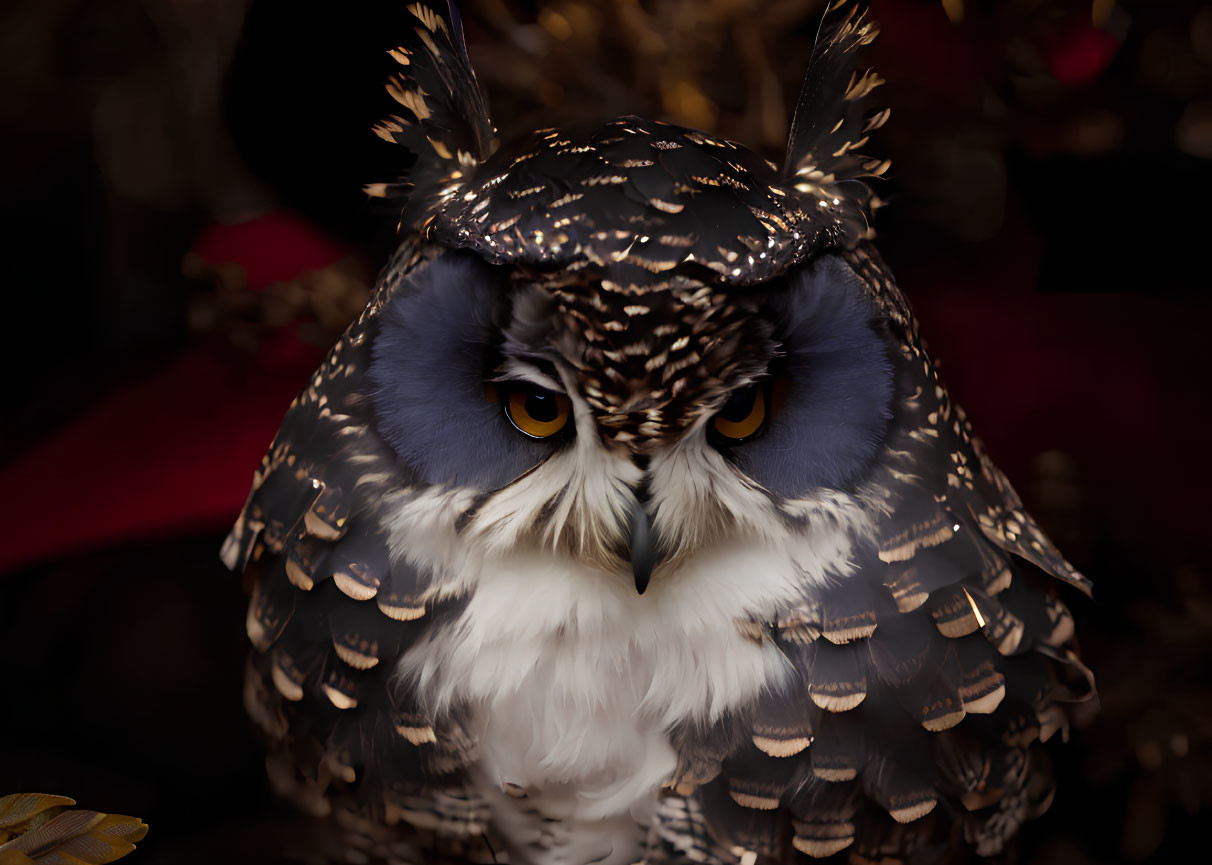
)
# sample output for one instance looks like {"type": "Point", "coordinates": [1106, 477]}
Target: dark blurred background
{"type": "Point", "coordinates": [181, 181]}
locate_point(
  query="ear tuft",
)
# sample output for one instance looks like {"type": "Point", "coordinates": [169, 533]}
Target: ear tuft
{"type": "Point", "coordinates": [835, 117]}
{"type": "Point", "coordinates": [442, 117]}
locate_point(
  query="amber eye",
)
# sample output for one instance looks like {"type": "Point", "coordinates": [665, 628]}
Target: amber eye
{"type": "Point", "coordinates": [743, 415]}
{"type": "Point", "coordinates": [536, 412]}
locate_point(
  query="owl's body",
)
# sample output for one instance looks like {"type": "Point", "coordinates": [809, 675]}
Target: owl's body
{"type": "Point", "coordinates": [630, 521]}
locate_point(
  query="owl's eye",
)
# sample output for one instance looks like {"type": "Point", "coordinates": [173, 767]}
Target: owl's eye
{"type": "Point", "coordinates": [743, 415]}
{"type": "Point", "coordinates": [535, 411]}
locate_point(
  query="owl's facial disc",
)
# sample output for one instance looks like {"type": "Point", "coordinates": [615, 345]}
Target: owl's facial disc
{"type": "Point", "coordinates": [484, 389]}
{"type": "Point", "coordinates": [828, 389]}
{"type": "Point", "coordinates": [436, 389]}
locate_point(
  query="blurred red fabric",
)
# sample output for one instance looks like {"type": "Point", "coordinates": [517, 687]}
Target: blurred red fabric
{"type": "Point", "coordinates": [175, 452]}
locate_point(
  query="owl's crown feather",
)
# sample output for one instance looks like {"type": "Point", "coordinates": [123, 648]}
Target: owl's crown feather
{"type": "Point", "coordinates": [634, 191]}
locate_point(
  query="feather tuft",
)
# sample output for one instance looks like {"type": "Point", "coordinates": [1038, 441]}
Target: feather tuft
{"type": "Point", "coordinates": [834, 118]}
{"type": "Point", "coordinates": [444, 121]}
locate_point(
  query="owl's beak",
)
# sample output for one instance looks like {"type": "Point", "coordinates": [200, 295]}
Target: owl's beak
{"type": "Point", "coordinates": [642, 545]}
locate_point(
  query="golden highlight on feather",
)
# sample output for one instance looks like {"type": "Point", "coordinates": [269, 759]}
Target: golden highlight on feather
{"type": "Point", "coordinates": [298, 577]}
{"type": "Point", "coordinates": [355, 659]}
{"type": "Point", "coordinates": [821, 849]}
{"type": "Point", "coordinates": [955, 621]}
{"type": "Point", "coordinates": [423, 735]}
{"type": "Point", "coordinates": [756, 802]}
{"type": "Point", "coordinates": [339, 698]}
{"type": "Point", "coordinates": [913, 812]}
{"type": "Point", "coordinates": [432, 21]}
{"type": "Point", "coordinates": [904, 551]}
{"type": "Point", "coordinates": [427, 40]}
{"type": "Point", "coordinates": [320, 527]}
{"type": "Point", "coordinates": [353, 587]}
{"type": "Point", "coordinates": [986, 704]}
{"type": "Point", "coordinates": [399, 613]}
{"type": "Point", "coordinates": [413, 100]}
{"type": "Point", "coordinates": [980, 620]}
{"type": "Point", "coordinates": [781, 747]}
{"type": "Point", "coordinates": [1005, 633]}
{"type": "Point", "coordinates": [287, 687]}
{"type": "Point", "coordinates": [843, 635]}
{"type": "Point", "coordinates": [907, 594]}
{"type": "Point", "coordinates": [943, 722]}
{"type": "Point", "coordinates": [386, 130]}
{"type": "Point", "coordinates": [843, 700]}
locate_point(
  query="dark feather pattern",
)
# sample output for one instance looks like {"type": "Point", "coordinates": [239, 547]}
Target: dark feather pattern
{"type": "Point", "coordinates": [676, 265]}
{"type": "Point", "coordinates": [834, 117]}
{"type": "Point", "coordinates": [443, 118]}
{"type": "Point", "coordinates": [946, 698]}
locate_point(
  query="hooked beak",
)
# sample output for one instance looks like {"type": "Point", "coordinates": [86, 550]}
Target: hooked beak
{"type": "Point", "coordinates": [642, 546]}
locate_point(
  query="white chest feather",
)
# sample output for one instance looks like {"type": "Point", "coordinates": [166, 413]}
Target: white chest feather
{"type": "Point", "coordinates": [575, 681]}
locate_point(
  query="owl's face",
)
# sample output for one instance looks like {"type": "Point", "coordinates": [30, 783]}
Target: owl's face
{"type": "Point", "coordinates": [597, 393]}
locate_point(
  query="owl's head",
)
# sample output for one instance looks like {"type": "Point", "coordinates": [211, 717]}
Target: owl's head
{"type": "Point", "coordinates": [626, 341]}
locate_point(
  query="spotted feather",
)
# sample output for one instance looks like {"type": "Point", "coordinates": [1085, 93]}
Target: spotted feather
{"type": "Point", "coordinates": [853, 639]}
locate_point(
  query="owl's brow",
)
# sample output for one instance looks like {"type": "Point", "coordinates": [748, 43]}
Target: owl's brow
{"type": "Point", "coordinates": [531, 369]}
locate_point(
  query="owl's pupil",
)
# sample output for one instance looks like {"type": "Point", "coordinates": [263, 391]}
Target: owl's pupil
{"type": "Point", "coordinates": [542, 407]}
{"type": "Point", "coordinates": [739, 405]}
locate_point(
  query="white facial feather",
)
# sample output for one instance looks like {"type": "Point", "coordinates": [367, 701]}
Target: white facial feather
{"type": "Point", "coordinates": [703, 504]}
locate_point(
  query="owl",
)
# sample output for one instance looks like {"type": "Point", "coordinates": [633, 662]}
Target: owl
{"type": "Point", "coordinates": [630, 522]}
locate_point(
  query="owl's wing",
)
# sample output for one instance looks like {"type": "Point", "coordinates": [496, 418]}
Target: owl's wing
{"type": "Point", "coordinates": [331, 612]}
{"type": "Point", "coordinates": [924, 681]}
{"type": "Point", "coordinates": [442, 118]}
